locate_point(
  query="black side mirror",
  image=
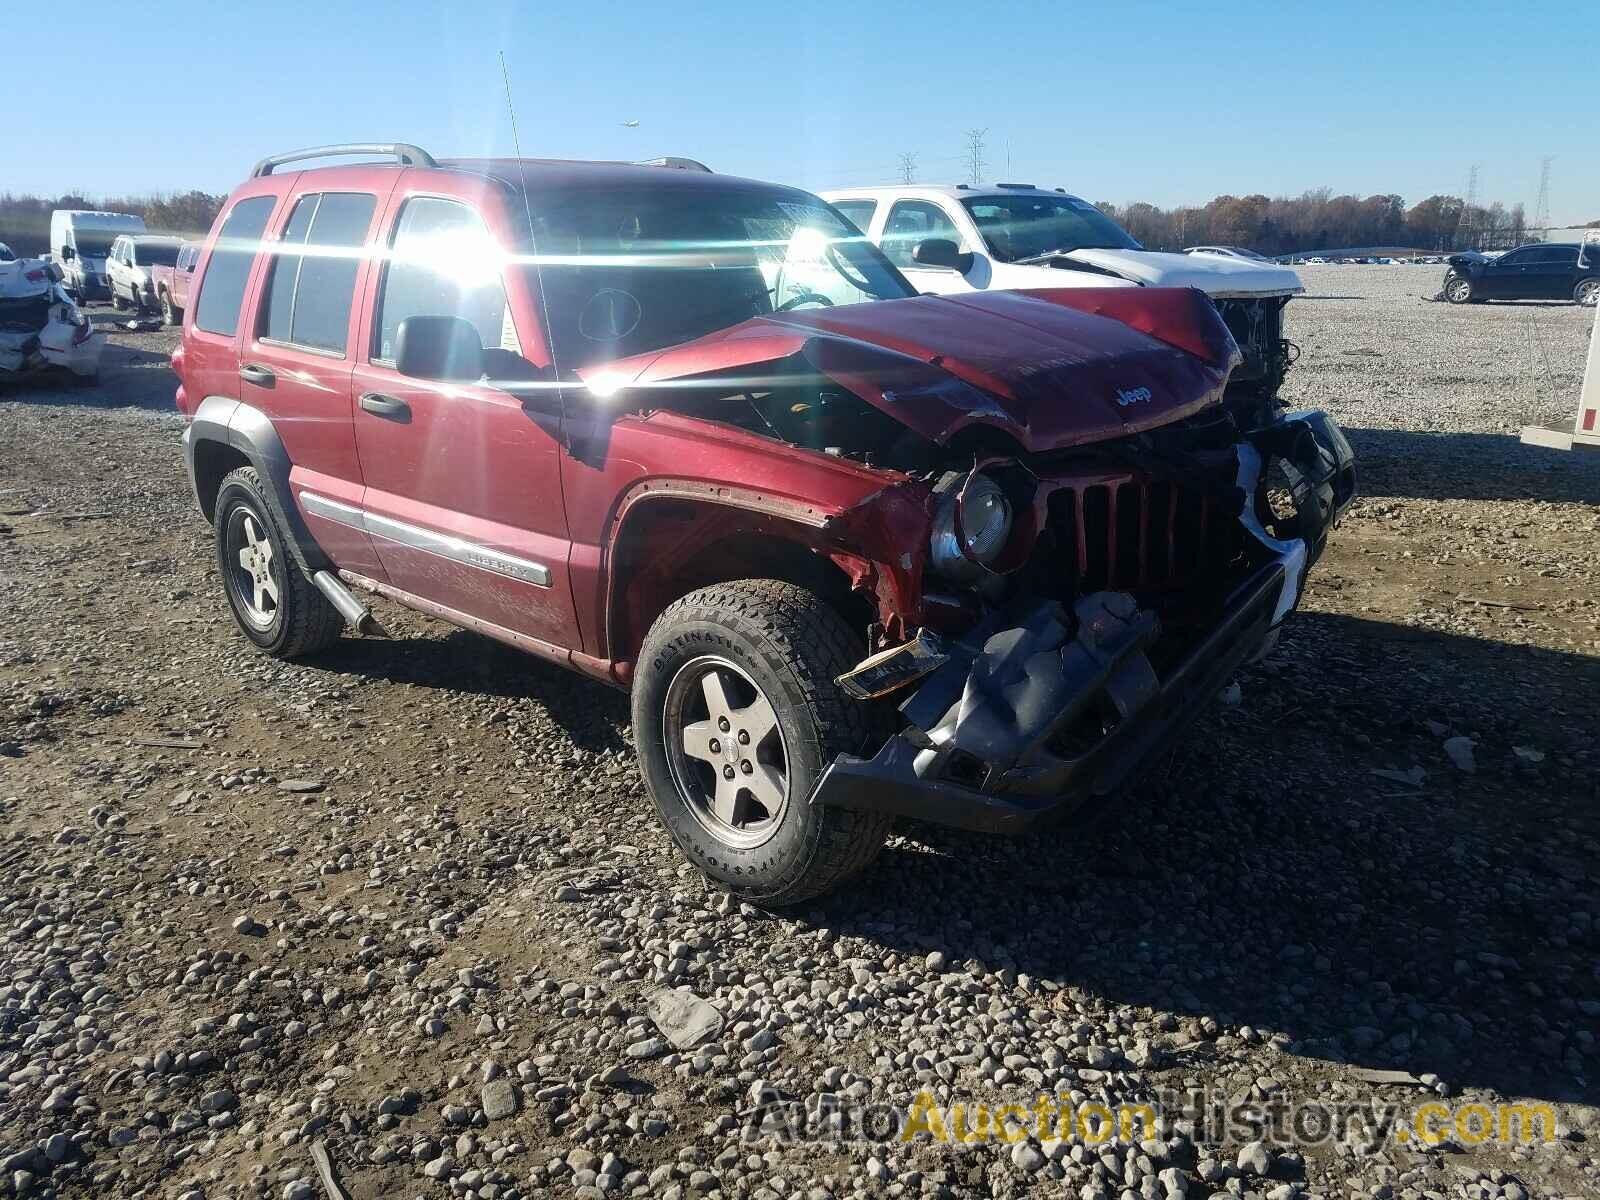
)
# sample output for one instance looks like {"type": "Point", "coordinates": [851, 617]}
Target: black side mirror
{"type": "Point", "coordinates": [68, 254]}
{"type": "Point", "coordinates": [940, 252]}
{"type": "Point", "coordinates": [443, 348]}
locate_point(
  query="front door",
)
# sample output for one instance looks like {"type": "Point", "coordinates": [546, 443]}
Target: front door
{"type": "Point", "coordinates": [1505, 277]}
{"type": "Point", "coordinates": [913, 221]}
{"type": "Point", "coordinates": [463, 483]}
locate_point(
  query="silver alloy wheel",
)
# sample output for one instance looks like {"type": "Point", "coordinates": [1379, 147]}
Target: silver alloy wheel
{"type": "Point", "coordinates": [726, 751]}
{"type": "Point", "coordinates": [1588, 292]}
{"type": "Point", "coordinates": [1460, 290]}
{"type": "Point", "coordinates": [255, 582]}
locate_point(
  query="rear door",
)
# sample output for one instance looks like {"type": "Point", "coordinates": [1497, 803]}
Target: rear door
{"type": "Point", "coordinates": [1550, 272]}
{"type": "Point", "coordinates": [296, 357]}
{"type": "Point", "coordinates": [463, 483]}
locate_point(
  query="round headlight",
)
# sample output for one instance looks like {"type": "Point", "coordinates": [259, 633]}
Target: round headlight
{"type": "Point", "coordinates": [985, 529]}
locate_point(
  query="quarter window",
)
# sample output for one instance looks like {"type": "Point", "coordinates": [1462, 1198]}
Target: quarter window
{"type": "Point", "coordinates": [442, 263]}
{"type": "Point", "coordinates": [227, 272]}
{"type": "Point", "coordinates": [858, 212]}
{"type": "Point", "coordinates": [314, 270]}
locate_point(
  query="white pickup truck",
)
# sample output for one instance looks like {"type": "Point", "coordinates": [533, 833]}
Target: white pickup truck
{"type": "Point", "coordinates": [965, 238]}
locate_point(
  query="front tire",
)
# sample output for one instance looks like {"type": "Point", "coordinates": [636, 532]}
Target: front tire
{"type": "Point", "coordinates": [273, 603]}
{"type": "Point", "coordinates": [1587, 292]}
{"type": "Point", "coordinates": [1458, 290]}
{"type": "Point", "coordinates": [736, 716]}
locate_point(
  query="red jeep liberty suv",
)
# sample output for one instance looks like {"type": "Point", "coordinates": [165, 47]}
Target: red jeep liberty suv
{"type": "Point", "coordinates": [856, 553]}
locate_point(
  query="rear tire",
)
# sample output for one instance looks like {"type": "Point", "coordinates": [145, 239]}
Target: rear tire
{"type": "Point", "coordinates": [738, 806]}
{"type": "Point", "coordinates": [273, 603]}
{"type": "Point", "coordinates": [169, 315]}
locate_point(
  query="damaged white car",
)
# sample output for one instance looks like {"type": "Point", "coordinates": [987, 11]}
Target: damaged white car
{"type": "Point", "coordinates": [40, 327]}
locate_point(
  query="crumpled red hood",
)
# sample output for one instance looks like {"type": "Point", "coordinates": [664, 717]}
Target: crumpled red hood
{"type": "Point", "coordinates": [1052, 369]}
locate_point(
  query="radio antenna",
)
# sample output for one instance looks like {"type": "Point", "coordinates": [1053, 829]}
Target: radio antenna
{"type": "Point", "coordinates": [527, 208]}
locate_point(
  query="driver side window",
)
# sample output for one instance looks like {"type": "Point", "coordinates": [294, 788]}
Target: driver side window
{"type": "Point", "coordinates": [913, 221]}
{"type": "Point", "coordinates": [443, 263]}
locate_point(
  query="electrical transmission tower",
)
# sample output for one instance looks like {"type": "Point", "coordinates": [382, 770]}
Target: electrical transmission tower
{"type": "Point", "coordinates": [1469, 216]}
{"type": "Point", "coordinates": [974, 155]}
{"type": "Point", "coordinates": [1541, 210]}
{"type": "Point", "coordinates": [908, 168]}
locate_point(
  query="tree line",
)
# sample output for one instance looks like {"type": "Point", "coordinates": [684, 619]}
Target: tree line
{"type": "Point", "coordinates": [25, 220]}
{"type": "Point", "coordinates": [1320, 220]}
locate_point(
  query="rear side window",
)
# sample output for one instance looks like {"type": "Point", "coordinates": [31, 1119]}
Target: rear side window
{"type": "Point", "coordinates": [442, 263]}
{"type": "Point", "coordinates": [222, 286]}
{"type": "Point", "coordinates": [858, 212]}
{"type": "Point", "coordinates": [314, 270]}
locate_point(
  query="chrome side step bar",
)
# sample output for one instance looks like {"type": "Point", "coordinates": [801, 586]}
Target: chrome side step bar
{"type": "Point", "coordinates": [356, 614]}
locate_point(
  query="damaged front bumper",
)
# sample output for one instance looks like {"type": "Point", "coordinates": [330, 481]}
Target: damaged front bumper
{"type": "Point", "coordinates": [1031, 715]}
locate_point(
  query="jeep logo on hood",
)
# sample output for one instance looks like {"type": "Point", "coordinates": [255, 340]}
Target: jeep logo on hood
{"type": "Point", "coordinates": [1132, 396]}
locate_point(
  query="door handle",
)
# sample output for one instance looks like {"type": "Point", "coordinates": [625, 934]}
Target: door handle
{"type": "Point", "coordinates": [260, 376]}
{"type": "Point", "coordinates": [380, 405]}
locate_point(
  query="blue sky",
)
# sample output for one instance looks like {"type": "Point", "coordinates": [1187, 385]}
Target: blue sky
{"type": "Point", "coordinates": [1168, 103]}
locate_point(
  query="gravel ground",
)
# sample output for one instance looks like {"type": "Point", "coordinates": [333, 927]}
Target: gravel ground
{"type": "Point", "coordinates": [408, 902]}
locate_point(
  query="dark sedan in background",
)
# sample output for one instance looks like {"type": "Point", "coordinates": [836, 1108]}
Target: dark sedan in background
{"type": "Point", "coordinates": [1541, 271]}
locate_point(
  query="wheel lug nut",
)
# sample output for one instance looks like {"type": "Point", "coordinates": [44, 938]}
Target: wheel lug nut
{"type": "Point", "coordinates": [744, 738]}
{"type": "Point", "coordinates": [745, 766]}
{"type": "Point", "coordinates": [727, 772]}
{"type": "Point", "coordinates": [716, 746]}
{"type": "Point", "coordinates": [722, 724]}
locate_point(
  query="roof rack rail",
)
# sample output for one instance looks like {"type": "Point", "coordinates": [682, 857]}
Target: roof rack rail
{"type": "Point", "coordinates": [682, 164]}
{"type": "Point", "coordinates": [411, 156]}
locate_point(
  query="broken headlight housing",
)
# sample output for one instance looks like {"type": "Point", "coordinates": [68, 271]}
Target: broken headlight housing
{"type": "Point", "coordinates": [971, 526]}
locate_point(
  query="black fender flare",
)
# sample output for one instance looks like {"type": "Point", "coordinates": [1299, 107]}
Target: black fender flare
{"type": "Point", "coordinates": [245, 428]}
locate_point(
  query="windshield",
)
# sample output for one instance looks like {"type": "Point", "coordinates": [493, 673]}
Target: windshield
{"type": "Point", "coordinates": [155, 254]}
{"type": "Point", "coordinates": [626, 272]}
{"type": "Point", "coordinates": [1029, 225]}
{"type": "Point", "coordinates": [94, 243]}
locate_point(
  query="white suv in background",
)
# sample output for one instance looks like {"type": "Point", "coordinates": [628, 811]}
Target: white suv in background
{"type": "Point", "coordinates": [964, 238]}
{"type": "Point", "coordinates": [128, 268]}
